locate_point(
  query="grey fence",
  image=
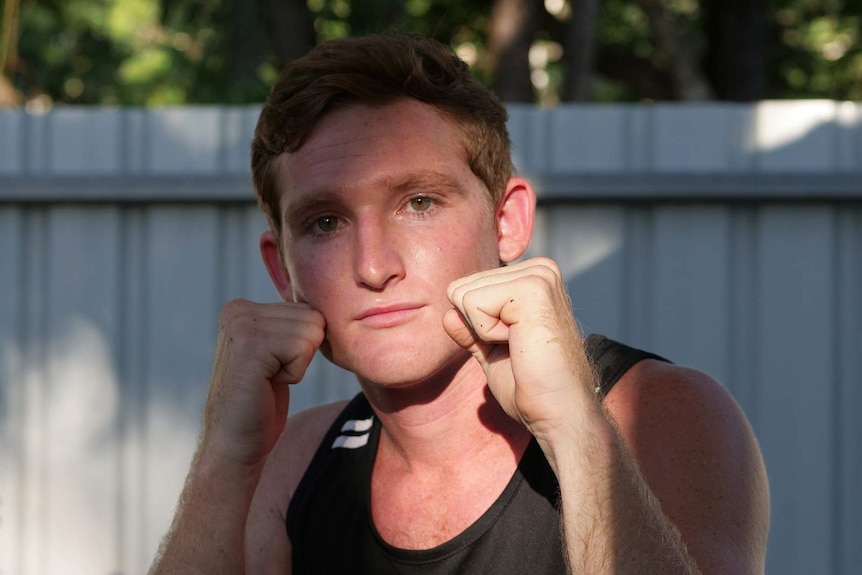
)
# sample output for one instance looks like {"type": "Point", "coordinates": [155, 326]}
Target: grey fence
{"type": "Point", "coordinates": [724, 237]}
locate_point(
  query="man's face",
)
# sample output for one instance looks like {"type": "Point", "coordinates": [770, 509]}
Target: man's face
{"type": "Point", "coordinates": [380, 213]}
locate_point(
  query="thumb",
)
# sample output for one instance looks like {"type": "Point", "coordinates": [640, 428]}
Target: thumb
{"type": "Point", "coordinates": [458, 329]}
{"type": "Point", "coordinates": [463, 335]}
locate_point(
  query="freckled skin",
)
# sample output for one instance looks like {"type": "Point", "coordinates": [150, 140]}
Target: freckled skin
{"type": "Point", "coordinates": [384, 226]}
{"type": "Point", "coordinates": [381, 254]}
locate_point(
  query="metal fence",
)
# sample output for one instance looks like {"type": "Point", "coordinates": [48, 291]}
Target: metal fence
{"type": "Point", "coordinates": [727, 237]}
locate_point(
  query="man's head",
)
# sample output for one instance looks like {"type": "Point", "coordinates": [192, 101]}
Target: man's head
{"type": "Point", "coordinates": [374, 71]}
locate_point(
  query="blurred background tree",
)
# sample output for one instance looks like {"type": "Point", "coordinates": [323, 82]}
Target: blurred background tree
{"type": "Point", "coordinates": [160, 52]}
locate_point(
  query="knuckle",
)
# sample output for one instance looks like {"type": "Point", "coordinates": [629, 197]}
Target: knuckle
{"type": "Point", "coordinates": [546, 278]}
{"type": "Point", "coordinates": [538, 283]}
{"type": "Point", "coordinates": [317, 318]}
{"type": "Point", "coordinates": [296, 364]}
{"type": "Point", "coordinates": [239, 320]}
{"type": "Point", "coordinates": [306, 349]}
{"type": "Point", "coordinates": [318, 335]}
{"type": "Point", "coordinates": [549, 266]}
{"type": "Point", "coordinates": [470, 300]}
{"type": "Point", "coordinates": [458, 294]}
{"type": "Point", "coordinates": [233, 309]}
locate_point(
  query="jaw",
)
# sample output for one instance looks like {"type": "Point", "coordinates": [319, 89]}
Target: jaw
{"type": "Point", "coordinates": [403, 357]}
{"type": "Point", "coordinates": [455, 387]}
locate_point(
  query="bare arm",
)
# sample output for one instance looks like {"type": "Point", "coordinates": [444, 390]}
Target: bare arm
{"type": "Point", "coordinates": [612, 523]}
{"type": "Point", "coordinates": [207, 533]}
{"type": "Point", "coordinates": [267, 549]}
{"type": "Point", "coordinates": [522, 332]}
{"type": "Point", "coordinates": [262, 349]}
{"type": "Point", "coordinates": [698, 454]}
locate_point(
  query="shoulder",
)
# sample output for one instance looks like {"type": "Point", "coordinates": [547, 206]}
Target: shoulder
{"type": "Point", "coordinates": [659, 389]}
{"type": "Point", "coordinates": [297, 445]}
{"type": "Point", "coordinates": [680, 404]}
{"type": "Point", "coordinates": [699, 455]}
{"type": "Point", "coordinates": [267, 547]}
{"type": "Point", "coordinates": [294, 450]}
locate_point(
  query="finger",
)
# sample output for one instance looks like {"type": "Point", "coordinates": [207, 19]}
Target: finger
{"type": "Point", "coordinates": [281, 392]}
{"type": "Point", "coordinates": [458, 329]}
{"type": "Point", "coordinates": [460, 332]}
{"type": "Point", "coordinates": [533, 264]}
{"type": "Point", "coordinates": [240, 310]}
{"type": "Point", "coordinates": [276, 348]}
{"type": "Point", "coordinates": [291, 312]}
{"type": "Point", "coordinates": [492, 309]}
{"type": "Point", "coordinates": [295, 361]}
{"type": "Point", "coordinates": [280, 328]}
{"type": "Point", "coordinates": [541, 267]}
{"type": "Point", "coordinates": [481, 309]}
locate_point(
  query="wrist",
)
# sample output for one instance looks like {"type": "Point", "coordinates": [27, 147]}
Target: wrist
{"type": "Point", "coordinates": [214, 462]}
{"type": "Point", "coordinates": [585, 440]}
{"type": "Point", "coordinates": [208, 531]}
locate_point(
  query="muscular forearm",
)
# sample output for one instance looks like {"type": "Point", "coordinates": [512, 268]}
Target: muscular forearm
{"type": "Point", "coordinates": [208, 532]}
{"type": "Point", "coordinates": [612, 523]}
{"type": "Point", "coordinates": [262, 349]}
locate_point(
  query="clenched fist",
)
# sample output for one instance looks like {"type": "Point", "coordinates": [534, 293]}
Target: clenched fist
{"type": "Point", "coordinates": [518, 323]}
{"type": "Point", "coordinates": [262, 349]}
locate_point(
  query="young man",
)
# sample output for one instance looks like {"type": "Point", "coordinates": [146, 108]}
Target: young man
{"type": "Point", "coordinates": [488, 437]}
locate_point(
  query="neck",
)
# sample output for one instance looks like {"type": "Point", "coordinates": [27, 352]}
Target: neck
{"type": "Point", "coordinates": [427, 424]}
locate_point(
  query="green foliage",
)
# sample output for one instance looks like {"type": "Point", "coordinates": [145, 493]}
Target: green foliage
{"type": "Point", "coordinates": [131, 52]}
{"type": "Point", "coordinates": [820, 53]}
{"type": "Point", "coordinates": [159, 52]}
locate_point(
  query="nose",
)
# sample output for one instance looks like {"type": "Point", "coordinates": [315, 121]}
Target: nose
{"type": "Point", "coordinates": [377, 260]}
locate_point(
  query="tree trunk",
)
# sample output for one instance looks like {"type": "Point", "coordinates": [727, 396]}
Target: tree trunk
{"type": "Point", "coordinates": [638, 75]}
{"type": "Point", "coordinates": [580, 51]}
{"type": "Point", "coordinates": [677, 52]}
{"type": "Point", "coordinates": [291, 28]}
{"type": "Point", "coordinates": [9, 36]}
{"type": "Point", "coordinates": [9, 96]}
{"type": "Point", "coordinates": [736, 58]}
{"type": "Point", "coordinates": [511, 31]}
{"type": "Point", "coordinates": [245, 47]}
{"type": "Point", "coordinates": [376, 17]}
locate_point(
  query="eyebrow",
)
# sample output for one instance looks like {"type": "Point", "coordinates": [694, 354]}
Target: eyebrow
{"type": "Point", "coordinates": [421, 180]}
{"type": "Point", "coordinates": [295, 211]}
{"type": "Point", "coordinates": [427, 179]}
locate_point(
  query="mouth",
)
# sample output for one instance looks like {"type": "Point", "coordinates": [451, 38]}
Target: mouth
{"type": "Point", "coordinates": [389, 315]}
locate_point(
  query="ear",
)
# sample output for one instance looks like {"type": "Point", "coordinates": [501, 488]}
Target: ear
{"type": "Point", "coordinates": [275, 266]}
{"type": "Point", "coordinates": [515, 214]}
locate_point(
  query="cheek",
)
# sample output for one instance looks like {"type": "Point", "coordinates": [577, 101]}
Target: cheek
{"type": "Point", "coordinates": [316, 281]}
{"type": "Point", "coordinates": [467, 249]}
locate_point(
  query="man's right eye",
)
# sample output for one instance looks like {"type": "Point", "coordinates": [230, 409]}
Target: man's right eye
{"type": "Point", "coordinates": [327, 224]}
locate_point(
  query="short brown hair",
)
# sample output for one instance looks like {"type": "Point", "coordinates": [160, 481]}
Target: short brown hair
{"type": "Point", "coordinates": [377, 70]}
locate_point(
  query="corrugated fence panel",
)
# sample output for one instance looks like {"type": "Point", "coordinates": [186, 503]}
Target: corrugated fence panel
{"type": "Point", "coordinates": [679, 144]}
{"type": "Point", "coordinates": [185, 141]}
{"type": "Point", "coordinates": [727, 237]}
{"type": "Point", "coordinates": [82, 396]}
{"type": "Point", "coordinates": [81, 143]}
{"type": "Point", "coordinates": [180, 268]}
{"type": "Point", "coordinates": [797, 136]}
{"type": "Point", "coordinates": [11, 142]}
{"type": "Point", "coordinates": [33, 343]}
{"type": "Point", "coordinates": [134, 504]}
{"type": "Point", "coordinates": [795, 381]}
{"type": "Point", "coordinates": [691, 291]}
{"type": "Point", "coordinates": [742, 285]}
{"type": "Point", "coordinates": [11, 392]}
{"type": "Point", "coordinates": [588, 242]}
{"type": "Point", "coordinates": [847, 503]}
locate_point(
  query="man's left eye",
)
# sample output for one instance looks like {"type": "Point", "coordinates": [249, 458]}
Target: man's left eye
{"type": "Point", "coordinates": [420, 204]}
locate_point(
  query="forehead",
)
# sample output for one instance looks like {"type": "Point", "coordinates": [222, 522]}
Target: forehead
{"type": "Point", "coordinates": [360, 145]}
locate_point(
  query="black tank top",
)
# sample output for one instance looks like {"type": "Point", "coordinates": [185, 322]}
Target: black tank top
{"type": "Point", "coordinates": [329, 518]}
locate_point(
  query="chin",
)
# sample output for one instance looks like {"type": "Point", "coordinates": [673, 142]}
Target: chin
{"type": "Point", "coordinates": [399, 367]}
